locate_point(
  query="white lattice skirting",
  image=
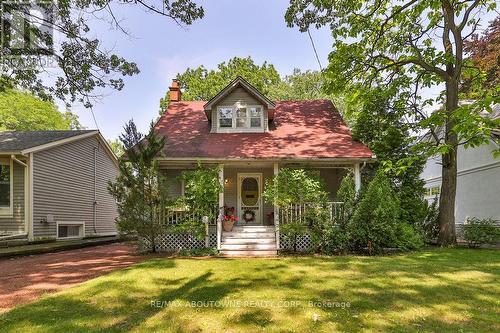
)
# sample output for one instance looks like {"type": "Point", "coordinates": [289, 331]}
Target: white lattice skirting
{"type": "Point", "coordinates": [304, 243]}
{"type": "Point", "coordinates": [175, 242]}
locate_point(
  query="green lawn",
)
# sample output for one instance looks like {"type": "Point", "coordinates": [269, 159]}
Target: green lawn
{"type": "Point", "coordinates": [448, 290]}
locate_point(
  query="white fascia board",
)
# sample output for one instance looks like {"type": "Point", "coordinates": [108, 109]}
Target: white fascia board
{"type": "Point", "coordinates": [58, 142]}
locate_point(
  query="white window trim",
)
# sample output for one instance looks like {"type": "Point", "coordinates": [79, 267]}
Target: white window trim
{"type": "Point", "coordinates": [82, 235]}
{"type": "Point", "coordinates": [233, 128]}
{"type": "Point", "coordinates": [8, 212]}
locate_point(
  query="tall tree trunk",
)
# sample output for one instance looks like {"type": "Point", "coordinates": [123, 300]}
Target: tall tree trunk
{"type": "Point", "coordinates": [449, 171]}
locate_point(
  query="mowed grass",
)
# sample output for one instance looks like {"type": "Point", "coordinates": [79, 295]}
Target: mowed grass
{"type": "Point", "coordinates": [443, 290]}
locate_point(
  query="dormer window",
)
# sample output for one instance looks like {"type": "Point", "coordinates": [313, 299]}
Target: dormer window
{"type": "Point", "coordinates": [240, 118]}
{"type": "Point", "coordinates": [226, 117]}
{"type": "Point", "coordinates": [239, 108]}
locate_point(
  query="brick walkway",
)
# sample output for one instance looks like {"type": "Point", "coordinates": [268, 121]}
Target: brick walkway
{"type": "Point", "coordinates": [24, 279]}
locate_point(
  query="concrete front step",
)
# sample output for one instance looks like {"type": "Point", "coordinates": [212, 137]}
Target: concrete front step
{"type": "Point", "coordinates": [249, 253]}
{"type": "Point", "coordinates": [248, 240]}
{"type": "Point", "coordinates": [257, 247]}
{"type": "Point", "coordinates": [253, 229]}
{"type": "Point", "coordinates": [245, 234]}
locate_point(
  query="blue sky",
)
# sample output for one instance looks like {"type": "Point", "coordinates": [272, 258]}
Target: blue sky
{"type": "Point", "coordinates": [162, 49]}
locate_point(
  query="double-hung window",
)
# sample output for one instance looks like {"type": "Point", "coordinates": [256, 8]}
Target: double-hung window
{"type": "Point", "coordinates": [240, 118]}
{"type": "Point", "coordinates": [226, 117]}
{"type": "Point", "coordinates": [255, 117]}
{"type": "Point", "coordinates": [5, 187]}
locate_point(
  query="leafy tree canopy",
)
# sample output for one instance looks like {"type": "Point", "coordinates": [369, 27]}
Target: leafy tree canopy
{"type": "Point", "coordinates": [406, 46]}
{"type": "Point", "coordinates": [294, 186]}
{"type": "Point", "coordinates": [117, 147]}
{"type": "Point", "coordinates": [309, 84]}
{"type": "Point", "coordinates": [84, 66]}
{"type": "Point", "coordinates": [299, 86]}
{"type": "Point", "coordinates": [201, 84]}
{"type": "Point", "coordinates": [202, 188]}
{"type": "Point", "coordinates": [381, 126]}
{"type": "Point", "coordinates": [484, 54]}
{"type": "Point", "coordinates": [21, 111]}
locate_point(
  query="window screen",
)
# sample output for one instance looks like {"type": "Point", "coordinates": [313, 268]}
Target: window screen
{"type": "Point", "coordinates": [69, 231]}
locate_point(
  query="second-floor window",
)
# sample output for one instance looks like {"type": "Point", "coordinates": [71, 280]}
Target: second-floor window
{"type": "Point", "coordinates": [226, 117]}
{"type": "Point", "coordinates": [240, 118]}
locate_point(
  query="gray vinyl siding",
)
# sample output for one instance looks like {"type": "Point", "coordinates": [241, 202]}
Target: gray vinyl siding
{"type": "Point", "coordinates": [238, 95]}
{"type": "Point", "coordinates": [106, 203]}
{"type": "Point", "coordinates": [63, 186]}
{"type": "Point", "coordinates": [16, 223]}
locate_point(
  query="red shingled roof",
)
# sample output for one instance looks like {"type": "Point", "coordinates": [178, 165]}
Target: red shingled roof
{"type": "Point", "coordinates": [301, 129]}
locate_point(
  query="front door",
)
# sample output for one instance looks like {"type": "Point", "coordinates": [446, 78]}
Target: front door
{"type": "Point", "coordinates": [249, 199]}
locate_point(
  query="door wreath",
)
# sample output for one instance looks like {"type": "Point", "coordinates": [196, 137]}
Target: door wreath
{"type": "Point", "coordinates": [248, 215]}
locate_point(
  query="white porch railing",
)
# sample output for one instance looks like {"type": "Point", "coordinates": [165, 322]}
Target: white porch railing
{"type": "Point", "coordinates": [297, 212]}
{"type": "Point", "coordinates": [172, 216]}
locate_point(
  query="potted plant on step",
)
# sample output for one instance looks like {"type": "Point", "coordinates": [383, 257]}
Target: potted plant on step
{"type": "Point", "coordinates": [229, 219]}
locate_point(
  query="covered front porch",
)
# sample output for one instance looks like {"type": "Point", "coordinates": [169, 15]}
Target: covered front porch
{"type": "Point", "coordinates": [243, 183]}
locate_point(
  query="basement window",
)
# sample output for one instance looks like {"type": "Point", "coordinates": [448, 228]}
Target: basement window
{"type": "Point", "coordinates": [66, 230]}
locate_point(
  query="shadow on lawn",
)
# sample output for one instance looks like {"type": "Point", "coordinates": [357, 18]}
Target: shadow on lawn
{"type": "Point", "coordinates": [382, 291]}
{"type": "Point", "coordinates": [430, 281]}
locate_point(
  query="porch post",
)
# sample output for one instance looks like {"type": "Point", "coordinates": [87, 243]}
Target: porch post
{"type": "Point", "coordinates": [221, 206]}
{"type": "Point", "coordinates": [357, 177]}
{"type": "Point", "coordinates": [276, 213]}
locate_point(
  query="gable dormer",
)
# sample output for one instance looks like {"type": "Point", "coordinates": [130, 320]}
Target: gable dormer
{"type": "Point", "coordinates": [239, 108]}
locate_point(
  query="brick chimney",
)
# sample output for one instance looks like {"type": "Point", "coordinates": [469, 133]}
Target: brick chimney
{"type": "Point", "coordinates": [175, 93]}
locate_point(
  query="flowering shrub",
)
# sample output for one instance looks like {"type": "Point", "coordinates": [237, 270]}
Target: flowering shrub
{"type": "Point", "coordinates": [229, 214]}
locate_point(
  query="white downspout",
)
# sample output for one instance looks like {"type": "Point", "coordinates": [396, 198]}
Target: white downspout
{"type": "Point", "coordinates": [95, 191]}
{"type": "Point", "coordinates": [31, 226]}
{"type": "Point", "coordinates": [26, 232]}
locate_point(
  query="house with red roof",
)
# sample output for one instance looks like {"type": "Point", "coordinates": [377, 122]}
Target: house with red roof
{"type": "Point", "coordinates": [251, 138]}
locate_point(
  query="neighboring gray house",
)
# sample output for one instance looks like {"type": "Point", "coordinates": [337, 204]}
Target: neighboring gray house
{"type": "Point", "coordinates": [54, 184]}
{"type": "Point", "coordinates": [478, 183]}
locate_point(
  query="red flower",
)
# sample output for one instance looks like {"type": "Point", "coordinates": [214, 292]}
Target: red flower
{"type": "Point", "coordinates": [230, 218]}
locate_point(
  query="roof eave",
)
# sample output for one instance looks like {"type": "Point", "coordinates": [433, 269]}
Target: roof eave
{"type": "Point", "coordinates": [233, 84]}
{"type": "Point", "coordinates": [58, 142]}
{"type": "Point", "coordinates": [270, 159]}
